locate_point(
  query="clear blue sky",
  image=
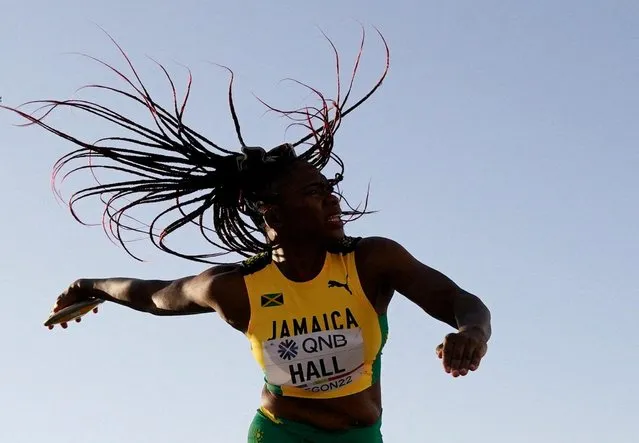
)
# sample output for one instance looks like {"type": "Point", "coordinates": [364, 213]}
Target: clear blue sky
{"type": "Point", "coordinates": [503, 150]}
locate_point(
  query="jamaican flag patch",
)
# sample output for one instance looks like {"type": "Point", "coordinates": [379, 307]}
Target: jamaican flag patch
{"type": "Point", "coordinates": [270, 300]}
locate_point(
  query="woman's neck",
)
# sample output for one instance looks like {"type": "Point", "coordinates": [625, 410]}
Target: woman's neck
{"type": "Point", "coordinates": [299, 262]}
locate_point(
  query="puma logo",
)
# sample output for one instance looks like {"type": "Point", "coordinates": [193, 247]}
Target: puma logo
{"type": "Point", "coordinates": [336, 284]}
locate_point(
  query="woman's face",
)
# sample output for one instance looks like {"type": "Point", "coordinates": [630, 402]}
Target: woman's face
{"type": "Point", "coordinates": [306, 207]}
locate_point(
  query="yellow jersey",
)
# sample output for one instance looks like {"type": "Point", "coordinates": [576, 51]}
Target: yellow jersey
{"type": "Point", "coordinates": [316, 339]}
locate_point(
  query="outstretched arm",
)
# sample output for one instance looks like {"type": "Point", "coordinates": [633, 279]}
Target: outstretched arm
{"type": "Point", "coordinates": [441, 298]}
{"type": "Point", "coordinates": [188, 295]}
{"type": "Point", "coordinates": [158, 297]}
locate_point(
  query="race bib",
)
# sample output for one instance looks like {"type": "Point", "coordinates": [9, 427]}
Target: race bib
{"type": "Point", "coordinates": [319, 361]}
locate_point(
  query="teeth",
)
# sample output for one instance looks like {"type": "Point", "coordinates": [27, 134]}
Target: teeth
{"type": "Point", "coordinates": [334, 218]}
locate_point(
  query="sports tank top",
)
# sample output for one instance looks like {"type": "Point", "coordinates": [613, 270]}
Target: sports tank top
{"type": "Point", "coordinates": [316, 339]}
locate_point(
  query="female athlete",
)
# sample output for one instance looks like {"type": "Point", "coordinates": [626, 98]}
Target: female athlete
{"type": "Point", "coordinates": [311, 300]}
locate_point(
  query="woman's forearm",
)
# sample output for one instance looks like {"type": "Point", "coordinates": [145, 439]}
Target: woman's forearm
{"type": "Point", "coordinates": [158, 297]}
{"type": "Point", "coordinates": [133, 293]}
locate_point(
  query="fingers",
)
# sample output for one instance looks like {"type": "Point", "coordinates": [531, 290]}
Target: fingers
{"type": "Point", "coordinates": [460, 353]}
{"type": "Point", "coordinates": [454, 367]}
{"type": "Point", "coordinates": [77, 291]}
{"type": "Point", "coordinates": [66, 324]}
{"type": "Point", "coordinates": [454, 350]}
{"type": "Point", "coordinates": [80, 290]}
{"type": "Point", "coordinates": [474, 361]}
{"type": "Point", "coordinates": [464, 365]}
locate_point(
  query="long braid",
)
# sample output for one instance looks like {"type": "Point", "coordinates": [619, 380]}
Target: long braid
{"type": "Point", "coordinates": [171, 162]}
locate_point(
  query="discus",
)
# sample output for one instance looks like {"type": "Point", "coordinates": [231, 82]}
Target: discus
{"type": "Point", "coordinates": [72, 312]}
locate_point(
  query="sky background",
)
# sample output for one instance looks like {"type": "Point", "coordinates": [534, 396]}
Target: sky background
{"type": "Point", "coordinates": [501, 150]}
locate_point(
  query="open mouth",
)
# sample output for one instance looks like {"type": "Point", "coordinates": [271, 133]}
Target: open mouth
{"type": "Point", "coordinates": [335, 220]}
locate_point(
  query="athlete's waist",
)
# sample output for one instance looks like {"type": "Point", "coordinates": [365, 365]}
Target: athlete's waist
{"type": "Point", "coordinates": [335, 414]}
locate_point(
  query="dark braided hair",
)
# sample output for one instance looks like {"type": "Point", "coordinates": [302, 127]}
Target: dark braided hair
{"type": "Point", "coordinates": [170, 162]}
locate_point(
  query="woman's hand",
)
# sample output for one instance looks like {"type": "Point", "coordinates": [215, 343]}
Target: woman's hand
{"type": "Point", "coordinates": [79, 291]}
{"type": "Point", "coordinates": [462, 351]}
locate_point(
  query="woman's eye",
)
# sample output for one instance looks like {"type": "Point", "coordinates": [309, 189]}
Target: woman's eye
{"type": "Point", "coordinates": [324, 190]}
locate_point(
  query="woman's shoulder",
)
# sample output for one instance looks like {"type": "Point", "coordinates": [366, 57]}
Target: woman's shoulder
{"type": "Point", "coordinates": [254, 264]}
{"type": "Point", "coordinates": [375, 244]}
{"type": "Point", "coordinates": [345, 245]}
{"type": "Point", "coordinates": [376, 252]}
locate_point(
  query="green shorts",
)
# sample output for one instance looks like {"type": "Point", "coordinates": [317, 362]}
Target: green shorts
{"type": "Point", "coordinates": [265, 430]}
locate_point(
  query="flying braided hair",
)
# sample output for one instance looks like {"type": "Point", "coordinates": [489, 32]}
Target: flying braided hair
{"type": "Point", "coordinates": [170, 162]}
